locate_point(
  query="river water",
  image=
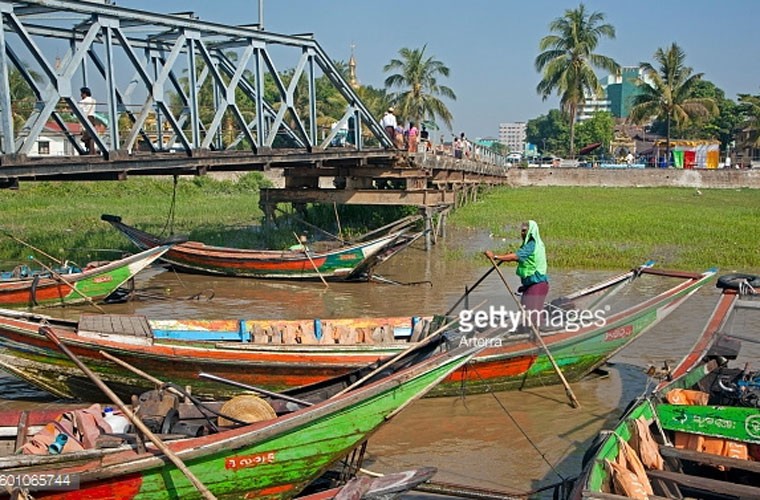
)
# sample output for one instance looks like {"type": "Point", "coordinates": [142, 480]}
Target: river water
{"type": "Point", "coordinates": [513, 441]}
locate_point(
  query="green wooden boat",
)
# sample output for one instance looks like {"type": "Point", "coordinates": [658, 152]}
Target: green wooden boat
{"type": "Point", "coordinates": [697, 435]}
{"type": "Point", "coordinates": [271, 459]}
{"type": "Point", "coordinates": [93, 283]}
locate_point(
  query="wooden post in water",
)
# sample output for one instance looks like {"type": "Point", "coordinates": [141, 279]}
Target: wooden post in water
{"type": "Point", "coordinates": [428, 227]}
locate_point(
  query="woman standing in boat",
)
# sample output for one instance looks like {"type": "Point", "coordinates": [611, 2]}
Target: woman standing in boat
{"type": "Point", "coordinates": [531, 268]}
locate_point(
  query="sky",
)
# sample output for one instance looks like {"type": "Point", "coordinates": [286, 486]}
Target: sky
{"type": "Point", "coordinates": [490, 45]}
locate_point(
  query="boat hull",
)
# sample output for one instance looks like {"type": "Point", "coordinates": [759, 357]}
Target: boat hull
{"type": "Point", "coordinates": [269, 460]}
{"type": "Point", "coordinates": [95, 284]}
{"type": "Point", "coordinates": [346, 263]}
{"type": "Point", "coordinates": [512, 362]}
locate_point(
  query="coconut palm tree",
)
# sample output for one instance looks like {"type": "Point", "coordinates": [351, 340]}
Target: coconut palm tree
{"type": "Point", "coordinates": [667, 93]}
{"type": "Point", "coordinates": [417, 95]}
{"type": "Point", "coordinates": [568, 60]}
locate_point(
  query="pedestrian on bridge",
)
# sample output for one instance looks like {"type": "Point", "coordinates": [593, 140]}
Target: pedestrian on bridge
{"type": "Point", "coordinates": [389, 123]}
{"type": "Point", "coordinates": [87, 105]}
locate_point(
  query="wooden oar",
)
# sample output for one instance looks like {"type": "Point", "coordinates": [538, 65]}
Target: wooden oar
{"type": "Point", "coordinates": [573, 400]}
{"type": "Point", "coordinates": [313, 264]}
{"type": "Point", "coordinates": [398, 356]}
{"type": "Point", "coordinates": [50, 334]}
{"type": "Point", "coordinates": [139, 372]}
{"type": "Point", "coordinates": [469, 290]}
{"type": "Point", "coordinates": [261, 391]}
{"type": "Point", "coordinates": [59, 277]}
{"type": "Point", "coordinates": [19, 240]}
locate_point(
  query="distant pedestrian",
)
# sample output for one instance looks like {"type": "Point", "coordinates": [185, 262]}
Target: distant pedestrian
{"type": "Point", "coordinates": [399, 137]}
{"type": "Point", "coordinates": [87, 105]}
{"type": "Point", "coordinates": [458, 147]}
{"type": "Point", "coordinates": [728, 162]}
{"type": "Point", "coordinates": [424, 138]}
{"type": "Point", "coordinates": [412, 138]}
{"type": "Point", "coordinates": [389, 123]}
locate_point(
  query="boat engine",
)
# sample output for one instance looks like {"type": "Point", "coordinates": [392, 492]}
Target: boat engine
{"type": "Point", "coordinates": [158, 410]}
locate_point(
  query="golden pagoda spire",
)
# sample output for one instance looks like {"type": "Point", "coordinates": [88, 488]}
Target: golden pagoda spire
{"type": "Point", "coordinates": [352, 68]}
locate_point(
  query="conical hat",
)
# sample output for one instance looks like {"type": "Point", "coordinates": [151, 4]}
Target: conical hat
{"type": "Point", "coordinates": [246, 407]}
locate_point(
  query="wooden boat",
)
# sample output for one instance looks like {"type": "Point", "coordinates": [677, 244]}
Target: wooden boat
{"type": "Point", "coordinates": [278, 354]}
{"type": "Point", "coordinates": [349, 263]}
{"type": "Point", "coordinates": [274, 458]}
{"type": "Point", "coordinates": [697, 434]}
{"type": "Point", "coordinates": [95, 282]}
{"type": "Point", "coordinates": [386, 487]}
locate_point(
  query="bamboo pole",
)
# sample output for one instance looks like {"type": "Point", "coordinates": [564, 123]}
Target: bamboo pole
{"type": "Point", "coordinates": [205, 492]}
{"type": "Point", "coordinates": [313, 264]}
{"type": "Point", "coordinates": [19, 240]}
{"type": "Point", "coordinates": [573, 400]}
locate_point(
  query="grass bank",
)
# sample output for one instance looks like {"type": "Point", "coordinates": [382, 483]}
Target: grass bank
{"type": "Point", "coordinates": [63, 218]}
{"type": "Point", "coordinates": [613, 228]}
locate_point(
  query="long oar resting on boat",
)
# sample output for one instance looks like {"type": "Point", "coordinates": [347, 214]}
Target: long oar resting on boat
{"type": "Point", "coordinates": [277, 354]}
{"type": "Point", "coordinates": [278, 450]}
{"type": "Point", "coordinates": [697, 435]}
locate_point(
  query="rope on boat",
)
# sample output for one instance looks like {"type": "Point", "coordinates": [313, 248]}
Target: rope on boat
{"type": "Point", "coordinates": [519, 427]}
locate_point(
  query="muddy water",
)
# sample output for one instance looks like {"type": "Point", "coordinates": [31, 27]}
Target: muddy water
{"type": "Point", "coordinates": [516, 441]}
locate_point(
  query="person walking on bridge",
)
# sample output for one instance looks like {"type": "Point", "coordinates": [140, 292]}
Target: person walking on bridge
{"type": "Point", "coordinates": [531, 268]}
{"type": "Point", "coordinates": [389, 123]}
{"type": "Point", "coordinates": [87, 105]}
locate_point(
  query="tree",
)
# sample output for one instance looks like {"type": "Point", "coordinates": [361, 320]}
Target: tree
{"type": "Point", "coordinates": [599, 128]}
{"type": "Point", "coordinates": [549, 132]}
{"type": "Point", "coordinates": [568, 60]}
{"type": "Point", "coordinates": [721, 126]}
{"type": "Point", "coordinates": [749, 106]}
{"type": "Point", "coordinates": [668, 93]}
{"type": "Point", "coordinates": [418, 90]}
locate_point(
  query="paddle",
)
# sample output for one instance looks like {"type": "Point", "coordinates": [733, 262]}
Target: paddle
{"type": "Point", "coordinates": [573, 400]}
{"type": "Point", "coordinates": [400, 355]}
{"type": "Point", "coordinates": [469, 290]}
{"type": "Point", "coordinates": [313, 264]}
{"type": "Point", "coordinates": [50, 334]}
{"type": "Point", "coordinates": [261, 391]}
{"type": "Point", "coordinates": [59, 277]}
{"type": "Point", "coordinates": [14, 238]}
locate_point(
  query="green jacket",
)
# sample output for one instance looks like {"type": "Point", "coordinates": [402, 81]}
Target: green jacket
{"type": "Point", "coordinates": [531, 257]}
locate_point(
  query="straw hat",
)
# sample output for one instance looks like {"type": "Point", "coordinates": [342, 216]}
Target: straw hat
{"type": "Point", "coordinates": [246, 407]}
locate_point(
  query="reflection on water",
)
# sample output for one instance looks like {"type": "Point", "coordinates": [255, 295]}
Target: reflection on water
{"type": "Point", "coordinates": [516, 441]}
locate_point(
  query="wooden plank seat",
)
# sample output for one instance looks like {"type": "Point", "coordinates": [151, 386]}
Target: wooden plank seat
{"type": "Point", "coordinates": [710, 459]}
{"type": "Point", "coordinates": [705, 484]}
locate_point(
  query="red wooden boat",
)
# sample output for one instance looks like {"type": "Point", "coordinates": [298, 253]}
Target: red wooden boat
{"type": "Point", "coordinates": [278, 354]}
{"type": "Point", "coordinates": [351, 262]}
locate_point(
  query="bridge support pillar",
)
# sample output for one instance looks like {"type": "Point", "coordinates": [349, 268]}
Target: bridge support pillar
{"type": "Point", "coordinates": [427, 214]}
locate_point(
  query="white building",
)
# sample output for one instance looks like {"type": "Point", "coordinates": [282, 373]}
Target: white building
{"type": "Point", "coordinates": [512, 135]}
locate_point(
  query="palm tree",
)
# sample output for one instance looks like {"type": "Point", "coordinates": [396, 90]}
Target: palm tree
{"type": "Point", "coordinates": [667, 93]}
{"type": "Point", "coordinates": [418, 90]}
{"type": "Point", "coordinates": [568, 60]}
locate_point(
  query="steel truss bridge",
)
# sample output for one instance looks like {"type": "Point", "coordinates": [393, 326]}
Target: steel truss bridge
{"type": "Point", "coordinates": [177, 95]}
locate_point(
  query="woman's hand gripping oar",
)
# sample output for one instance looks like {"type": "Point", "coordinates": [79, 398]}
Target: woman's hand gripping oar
{"type": "Point", "coordinates": [573, 400]}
